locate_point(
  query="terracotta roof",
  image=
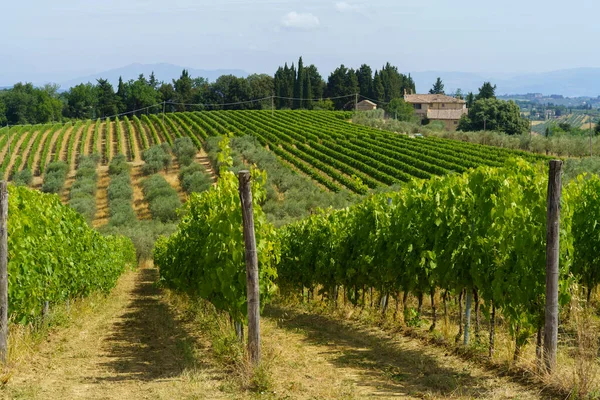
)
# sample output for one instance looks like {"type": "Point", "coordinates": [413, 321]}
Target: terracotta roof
{"type": "Point", "coordinates": [446, 114]}
{"type": "Point", "coordinates": [367, 102]}
{"type": "Point", "coordinates": [431, 98]}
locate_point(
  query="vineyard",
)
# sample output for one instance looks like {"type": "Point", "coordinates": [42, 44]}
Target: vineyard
{"type": "Point", "coordinates": [437, 226]}
{"type": "Point", "coordinates": [576, 120]}
{"type": "Point", "coordinates": [324, 146]}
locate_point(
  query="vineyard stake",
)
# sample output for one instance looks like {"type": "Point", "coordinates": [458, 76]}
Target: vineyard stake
{"type": "Point", "coordinates": [251, 268]}
{"type": "Point", "coordinates": [552, 257]}
{"type": "Point", "coordinates": [3, 270]}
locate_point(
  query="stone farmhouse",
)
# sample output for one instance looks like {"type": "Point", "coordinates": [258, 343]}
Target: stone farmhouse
{"type": "Point", "coordinates": [438, 107]}
{"type": "Point", "coordinates": [366, 105]}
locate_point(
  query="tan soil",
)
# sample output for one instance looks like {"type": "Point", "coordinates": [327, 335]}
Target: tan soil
{"type": "Point", "coordinates": [140, 206]}
{"type": "Point", "coordinates": [88, 139]}
{"type": "Point", "coordinates": [75, 152]}
{"type": "Point", "coordinates": [124, 144]}
{"type": "Point", "coordinates": [101, 217]}
{"type": "Point", "coordinates": [27, 149]}
{"type": "Point", "coordinates": [65, 144]}
{"type": "Point", "coordinates": [16, 151]}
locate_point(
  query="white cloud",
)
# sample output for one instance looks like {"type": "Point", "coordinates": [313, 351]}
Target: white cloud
{"type": "Point", "coordinates": [302, 21]}
{"type": "Point", "coordinates": [342, 6]}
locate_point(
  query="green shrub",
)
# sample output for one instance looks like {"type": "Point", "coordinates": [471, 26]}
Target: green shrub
{"type": "Point", "coordinates": [143, 234]}
{"type": "Point", "coordinates": [54, 179]}
{"type": "Point", "coordinates": [23, 178]}
{"type": "Point", "coordinates": [184, 150]}
{"type": "Point", "coordinates": [156, 158]}
{"type": "Point", "coordinates": [83, 191]}
{"type": "Point", "coordinates": [162, 199]}
{"type": "Point", "coordinates": [120, 188]}
{"type": "Point", "coordinates": [118, 165]}
{"type": "Point", "coordinates": [194, 179]}
{"type": "Point", "coordinates": [120, 193]}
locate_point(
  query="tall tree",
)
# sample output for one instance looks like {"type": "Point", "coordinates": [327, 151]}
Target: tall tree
{"type": "Point", "coordinates": [365, 80]}
{"type": "Point", "coordinates": [470, 99]}
{"type": "Point", "coordinates": [261, 86]}
{"type": "Point", "coordinates": [438, 87]}
{"type": "Point", "coordinates": [342, 85]}
{"type": "Point", "coordinates": [183, 89]}
{"type": "Point", "coordinates": [378, 89]}
{"type": "Point", "coordinates": [81, 101]}
{"type": "Point", "coordinates": [493, 114]}
{"type": "Point", "coordinates": [107, 99]}
{"type": "Point", "coordinates": [487, 91]}
{"type": "Point", "coordinates": [317, 85]}
{"type": "Point", "coordinates": [299, 85]}
{"type": "Point", "coordinates": [152, 81]}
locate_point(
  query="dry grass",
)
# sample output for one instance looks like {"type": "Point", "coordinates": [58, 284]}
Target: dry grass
{"type": "Point", "coordinates": [578, 370]}
{"type": "Point", "coordinates": [102, 215]}
{"type": "Point", "coordinates": [129, 345]}
{"type": "Point", "coordinates": [140, 205]}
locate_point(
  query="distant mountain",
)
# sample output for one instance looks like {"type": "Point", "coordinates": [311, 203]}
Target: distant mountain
{"type": "Point", "coordinates": [163, 72]}
{"type": "Point", "coordinates": [577, 82]}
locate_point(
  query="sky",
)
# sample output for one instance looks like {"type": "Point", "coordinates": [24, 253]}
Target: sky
{"type": "Point", "coordinates": [58, 40]}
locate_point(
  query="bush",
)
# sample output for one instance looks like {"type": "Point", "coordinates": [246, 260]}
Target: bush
{"type": "Point", "coordinates": [156, 158]}
{"type": "Point", "coordinates": [162, 199]}
{"type": "Point", "coordinates": [54, 179]}
{"type": "Point", "coordinates": [184, 150]}
{"type": "Point", "coordinates": [118, 165]}
{"type": "Point", "coordinates": [23, 178]}
{"type": "Point", "coordinates": [194, 179]}
{"type": "Point", "coordinates": [83, 192]}
{"type": "Point", "coordinates": [120, 193]}
{"type": "Point", "coordinates": [120, 188]}
{"type": "Point", "coordinates": [143, 234]}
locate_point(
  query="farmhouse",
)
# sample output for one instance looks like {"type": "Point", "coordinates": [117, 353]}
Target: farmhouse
{"type": "Point", "coordinates": [366, 105]}
{"type": "Point", "coordinates": [438, 107]}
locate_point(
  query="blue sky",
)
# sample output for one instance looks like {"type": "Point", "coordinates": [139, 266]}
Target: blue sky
{"type": "Point", "coordinates": [43, 40]}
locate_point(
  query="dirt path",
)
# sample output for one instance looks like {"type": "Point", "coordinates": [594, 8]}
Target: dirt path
{"type": "Point", "coordinates": [202, 158]}
{"type": "Point", "coordinates": [140, 205]}
{"type": "Point", "coordinates": [88, 139]}
{"type": "Point", "coordinates": [101, 140]}
{"type": "Point", "coordinates": [63, 151]}
{"type": "Point", "coordinates": [38, 155]}
{"type": "Point", "coordinates": [132, 347]}
{"type": "Point", "coordinates": [66, 190]}
{"type": "Point", "coordinates": [16, 152]}
{"type": "Point", "coordinates": [124, 144]}
{"type": "Point", "coordinates": [52, 148]}
{"type": "Point", "coordinates": [340, 360]}
{"type": "Point", "coordinates": [171, 175]}
{"type": "Point", "coordinates": [135, 346]}
{"type": "Point", "coordinates": [101, 217]}
{"type": "Point", "coordinates": [75, 152]}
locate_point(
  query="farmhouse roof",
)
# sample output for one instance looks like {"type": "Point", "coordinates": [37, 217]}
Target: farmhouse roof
{"type": "Point", "coordinates": [445, 114]}
{"type": "Point", "coordinates": [369, 102]}
{"type": "Point", "coordinates": [431, 98]}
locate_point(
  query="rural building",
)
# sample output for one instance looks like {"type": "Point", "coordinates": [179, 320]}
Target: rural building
{"type": "Point", "coordinates": [366, 105]}
{"type": "Point", "coordinates": [438, 107]}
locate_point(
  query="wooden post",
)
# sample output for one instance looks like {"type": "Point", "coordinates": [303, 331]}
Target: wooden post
{"type": "Point", "coordinates": [251, 268]}
{"type": "Point", "coordinates": [552, 257]}
{"type": "Point", "coordinates": [3, 271]}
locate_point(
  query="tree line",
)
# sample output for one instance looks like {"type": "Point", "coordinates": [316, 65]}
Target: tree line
{"type": "Point", "coordinates": [25, 103]}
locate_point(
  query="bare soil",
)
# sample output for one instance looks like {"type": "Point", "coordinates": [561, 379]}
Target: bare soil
{"type": "Point", "coordinates": [140, 205]}
{"type": "Point", "coordinates": [101, 217]}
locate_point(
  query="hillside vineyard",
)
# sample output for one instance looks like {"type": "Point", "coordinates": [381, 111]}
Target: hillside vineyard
{"type": "Point", "coordinates": [320, 144]}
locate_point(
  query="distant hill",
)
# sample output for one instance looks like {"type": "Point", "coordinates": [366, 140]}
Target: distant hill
{"type": "Point", "coordinates": [568, 82]}
{"type": "Point", "coordinates": [163, 72]}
